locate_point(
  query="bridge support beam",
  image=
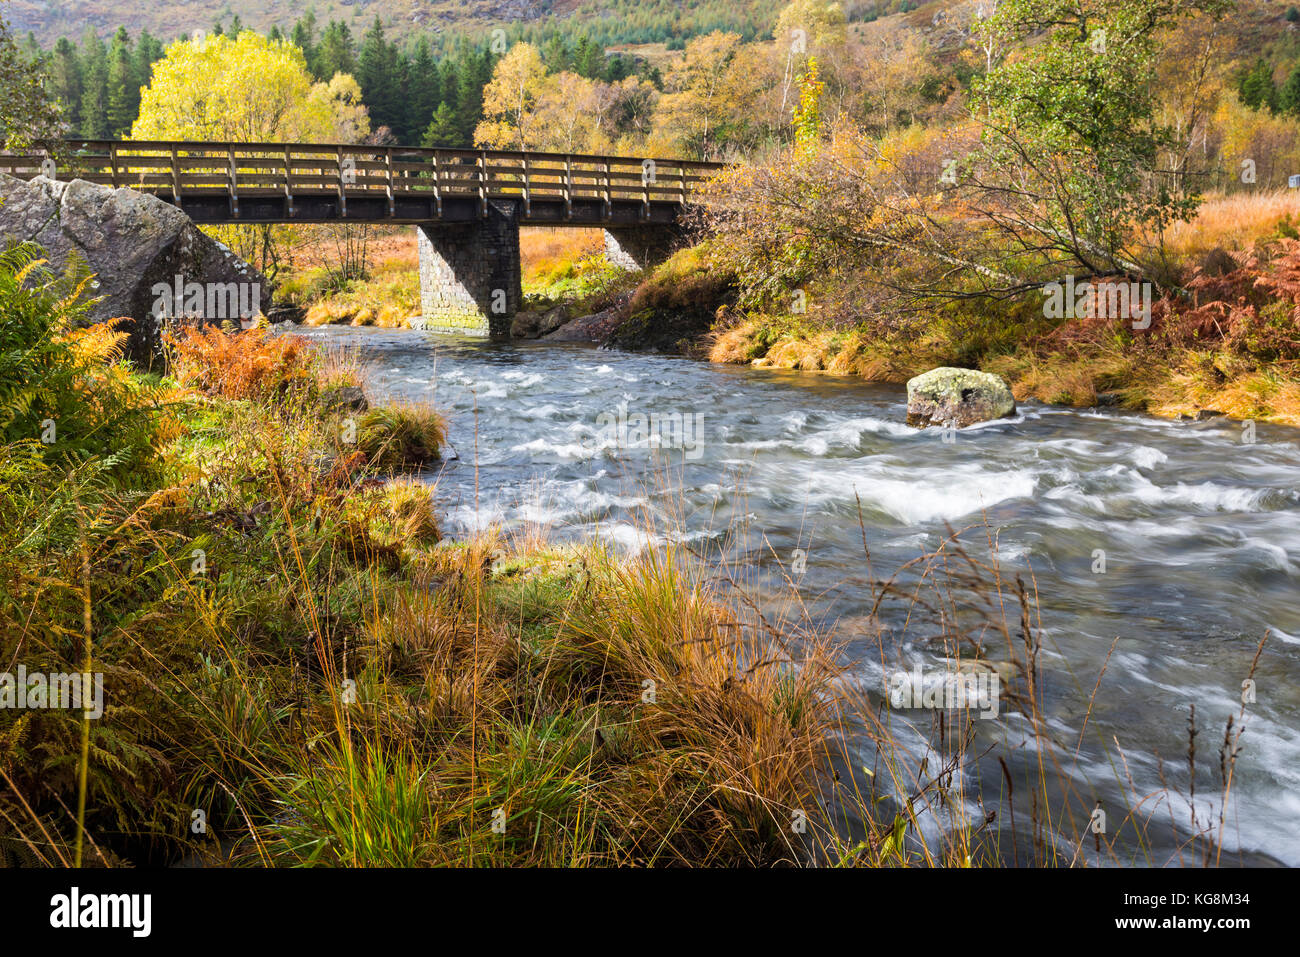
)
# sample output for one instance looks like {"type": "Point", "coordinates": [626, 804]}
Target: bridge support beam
{"type": "Point", "coordinates": [642, 247]}
{"type": "Point", "coordinates": [470, 279]}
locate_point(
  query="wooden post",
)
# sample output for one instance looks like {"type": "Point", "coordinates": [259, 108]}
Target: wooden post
{"type": "Point", "coordinates": [288, 181]}
{"type": "Point", "coordinates": [437, 184]}
{"type": "Point", "coordinates": [482, 183]}
{"type": "Point", "coordinates": [609, 206]}
{"type": "Point", "coordinates": [568, 186]}
{"type": "Point", "coordinates": [343, 186]}
{"type": "Point", "coordinates": [528, 202]}
{"type": "Point", "coordinates": [234, 184]}
{"type": "Point", "coordinates": [112, 163]}
{"type": "Point", "coordinates": [392, 201]}
{"type": "Point", "coordinates": [176, 177]}
{"type": "Point", "coordinates": [645, 184]}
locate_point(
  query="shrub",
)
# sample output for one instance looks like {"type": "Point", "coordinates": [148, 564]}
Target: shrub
{"type": "Point", "coordinates": [251, 364]}
{"type": "Point", "coordinates": [63, 388]}
{"type": "Point", "coordinates": [397, 435]}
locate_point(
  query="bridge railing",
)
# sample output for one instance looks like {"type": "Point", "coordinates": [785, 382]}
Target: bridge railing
{"type": "Point", "coordinates": [249, 170]}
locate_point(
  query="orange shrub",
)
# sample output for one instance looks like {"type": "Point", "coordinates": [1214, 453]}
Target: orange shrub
{"type": "Point", "coordinates": [241, 365]}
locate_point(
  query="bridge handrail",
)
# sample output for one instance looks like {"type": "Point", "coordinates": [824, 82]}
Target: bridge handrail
{"type": "Point", "coordinates": [106, 147]}
{"type": "Point", "coordinates": [350, 170]}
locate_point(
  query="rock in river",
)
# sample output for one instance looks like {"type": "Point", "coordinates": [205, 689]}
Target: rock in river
{"type": "Point", "coordinates": [959, 397]}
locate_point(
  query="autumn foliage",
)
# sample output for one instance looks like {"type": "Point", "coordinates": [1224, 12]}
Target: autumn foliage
{"type": "Point", "coordinates": [249, 364]}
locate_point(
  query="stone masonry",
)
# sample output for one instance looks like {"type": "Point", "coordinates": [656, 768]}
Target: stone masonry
{"type": "Point", "coordinates": [640, 247]}
{"type": "Point", "coordinates": [470, 278]}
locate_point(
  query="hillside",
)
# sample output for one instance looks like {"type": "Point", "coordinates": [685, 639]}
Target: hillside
{"type": "Point", "coordinates": [643, 21]}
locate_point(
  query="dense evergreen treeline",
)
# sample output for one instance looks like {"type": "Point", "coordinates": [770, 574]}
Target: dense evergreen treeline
{"type": "Point", "coordinates": [98, 84]}
{"type": "Point", "coordinates": [427, 91]}
{"type": "Point", "coordinates": [1255, 88]}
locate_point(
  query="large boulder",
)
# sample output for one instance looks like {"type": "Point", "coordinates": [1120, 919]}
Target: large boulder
{"type": "Point", "coordinates": [132, 242]}
{"type": "Point", "coordinates": [957, 397]}
{"type": "Point", "coordinates": [594, 328]}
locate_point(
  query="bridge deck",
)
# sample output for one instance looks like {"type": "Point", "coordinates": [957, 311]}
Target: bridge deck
{"type": "Point", "coordinates": [297, 182]}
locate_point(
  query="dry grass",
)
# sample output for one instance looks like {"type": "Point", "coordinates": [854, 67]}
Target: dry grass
{"type": "Point", "coordinates": [1234, 223]}
{"type": "Point", "coordinates": [401, 434]}
{"type": "Point", "coordinates": [240, 365]}
{"type": "Point", "coordinates": [542, 250]}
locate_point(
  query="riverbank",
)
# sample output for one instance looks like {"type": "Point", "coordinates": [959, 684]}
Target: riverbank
{"type": "Point", "coordinates": [295, 647]}
{"type": "Point", "coordinates": [298, 667]}
{"type": "Point", "coordinates": [1223, 338]}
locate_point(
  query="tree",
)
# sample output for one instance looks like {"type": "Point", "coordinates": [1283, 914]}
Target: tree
{"type": "Point", "coordinates": [67, 83]}
{"type": "Point", "coordinates": [423, 92]}
{"type": "Point", "coordinates": [248, 89]}
{"type": "Point", "coordinates": [148, 51]}
{"type": "Point", "coordinates": [804, 28]}
{"type": "Point", "coordinates": [631, 111]}
{"type": "Point", "coordinates": [94, 96]}
{"type": "Point", "coordinates": [808, 111]}
{"type": "Point", "coordinates": [304, 38]}
{"type": "Point", "coordinates": [510, 99]}
{"type": "Point", "coordinates": [336, 53]}
{"type": "Point", "coordinates": [568, 114]}
{"type": "Point", "coordinates": [29, 114]}
{"type": "Point", "coordinates": [1288, 98]}
{"type": "Point", "coordinates": [1070, 155]}
{"type": "Point", "coordinates": [695, 103]}
{"type": "Point", "coordinates": [473, 74]}
{"type": "Point", "coordinates": [377, 72]}
{"type": "Point", "coordinates": [444, 129]}
{"type": "Point", "coordinates": [1256, 88]}
{"type": "Point", "coordinates": [123, 86]}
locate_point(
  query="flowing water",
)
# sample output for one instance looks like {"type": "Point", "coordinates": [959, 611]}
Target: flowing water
{"type": "Point", "coordinates": [1179, 539]}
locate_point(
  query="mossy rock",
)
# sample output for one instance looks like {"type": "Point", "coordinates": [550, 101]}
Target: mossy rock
{"type": "Point", "coordinates": [957, 397]}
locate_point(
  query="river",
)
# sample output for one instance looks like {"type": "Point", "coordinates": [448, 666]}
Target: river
{"type": "Point", "coordinates": [1180, 539]}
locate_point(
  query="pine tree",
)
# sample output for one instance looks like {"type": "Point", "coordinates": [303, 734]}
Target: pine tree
{"type": "Point", "coordinates": [94, 96]}
{"type": "Point", "coordinates": [304, 38]}
{"type": "Point", "coordinates": [444, 129]}
{"type": "Point", "coordinates": [1288, 98]}
{"type": "Point", "coordinates": [475, 70]}
{"type": "Point", "coordinates": [377, 73]}
{"type": "Point", "coordinates": [588, 58]}
{"type": "Point", "coordinates": [1256, 88]}
{"type": "Point", "coordinates": [336, 53]}
{"type": "Point", "coordinates": [67, 84]}
{"type": "Point", "coordinates": [148, 51]}
{"type": "Point", "coordinates": [423, 92]}
{"type": "Point", "coordinates": [123, 90]}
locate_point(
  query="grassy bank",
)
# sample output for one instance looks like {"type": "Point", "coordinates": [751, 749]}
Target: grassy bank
{"type": "Point", "coordinates": [1224, 337]}
{"type": "Point", "coordinates": [299, 667]}
{"type": "Point", "coordinates": [294, 658]}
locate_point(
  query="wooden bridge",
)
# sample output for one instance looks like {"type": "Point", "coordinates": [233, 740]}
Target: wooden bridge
{"type": "Point", "coordinates": [467, 205]}
{"type": "Point", "coordinates": [332, 183]}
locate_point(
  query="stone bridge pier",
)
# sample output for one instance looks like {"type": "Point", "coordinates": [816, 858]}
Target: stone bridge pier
{"type": "Point", "coordinates": [470, 275]}
{"type": "Point", "coordinates": [470, 279]}
{"type": "Point", "coordinates": [644, 246]}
